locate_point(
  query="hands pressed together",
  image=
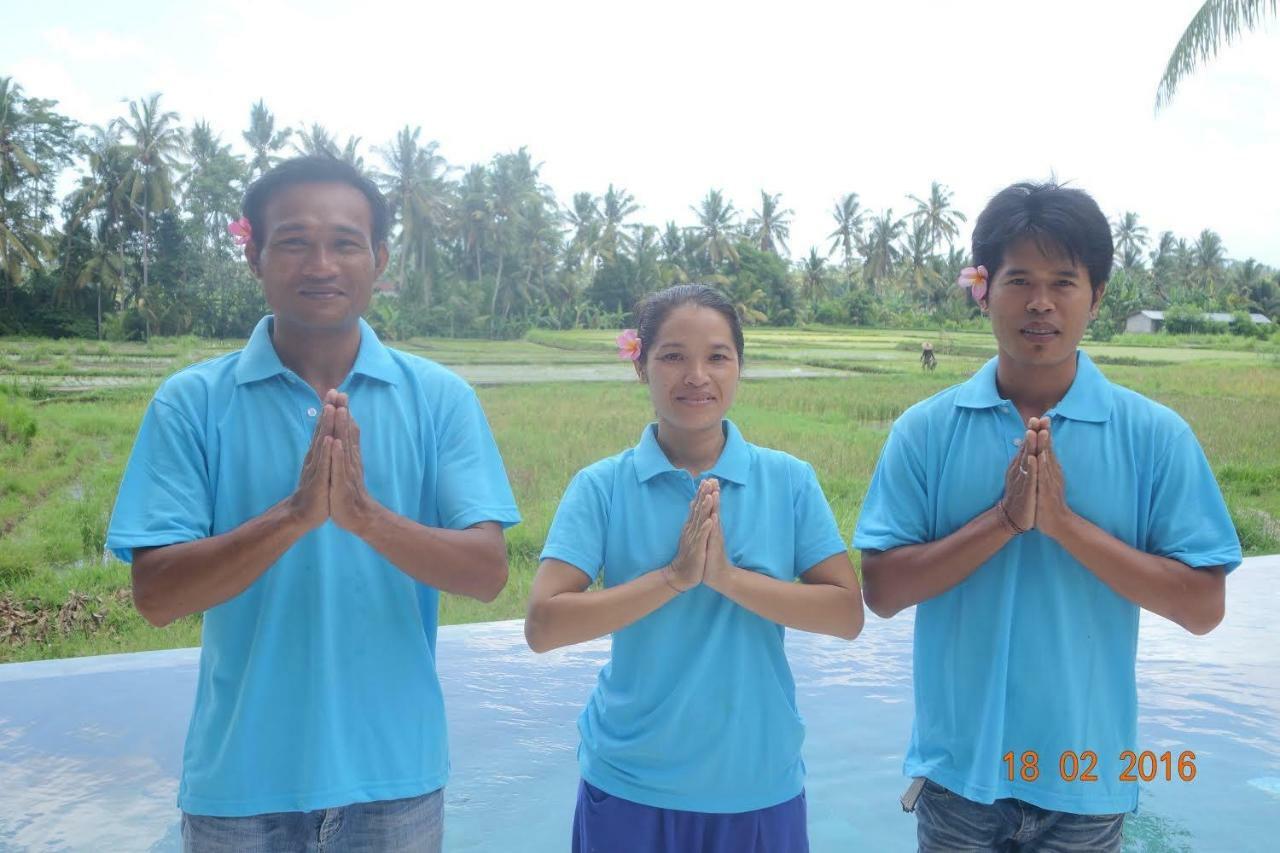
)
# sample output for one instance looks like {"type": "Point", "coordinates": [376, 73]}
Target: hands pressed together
{"type": "Point", "coordinates": [1034, 488]}
{"type": "Point", "coordinates": [332, 481]}
{"type": "Point", "coordinates": [701, 557]}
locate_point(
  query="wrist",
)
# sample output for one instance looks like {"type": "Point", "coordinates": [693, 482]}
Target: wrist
{"type": "Point", "coordinates": [288, 517]}
{"type": "Point", "coordinates": [1006, 520]}
{"type": "Point", "coordinates": [369, 522]}
{"type": "Point", "coordinates": [669, 575]}
{"type": "Point", "coordinates": [1061, 525]}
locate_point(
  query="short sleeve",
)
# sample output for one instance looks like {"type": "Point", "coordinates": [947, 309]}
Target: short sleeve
{"type": "Point", "coordinates": [165, 496]}
{"type": "Point", "coordinates": [896, 509]}
{"type": "Point", "coordinates": [817, 534]}
{"type": "Point", "coordinates": [577, 533]}
{"type": "Point", "coordinates": [1189, 521]}
{"type": "Point", "coordinates": [471, 482]}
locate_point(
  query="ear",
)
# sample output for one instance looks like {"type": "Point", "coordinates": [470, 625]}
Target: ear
{"type": "Point", "coordinates": [380, 258]}
{"type": "Point", "coordinates": [640, 374]}
{"type": "Point", "coordinates": [1097, 301]}
{"type": "Point", "coordinates": [252, 254]}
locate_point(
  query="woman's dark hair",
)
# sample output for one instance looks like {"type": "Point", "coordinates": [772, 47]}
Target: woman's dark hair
{"type": "Point", "coordinates": [1055, 217]}
{"type": "Point", "coordinates": [315, 170]}
{"type": "Point", "coordinates": [651, 312]}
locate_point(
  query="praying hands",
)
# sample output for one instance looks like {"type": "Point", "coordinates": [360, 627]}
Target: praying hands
{"type": "Point", "coordinates": [332, 481]}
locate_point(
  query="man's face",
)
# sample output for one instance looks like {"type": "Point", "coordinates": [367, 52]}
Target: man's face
{"type": "Point", "coordinates": [315, 260]}
{"type": "Point", "coordinates": [1040, 305]}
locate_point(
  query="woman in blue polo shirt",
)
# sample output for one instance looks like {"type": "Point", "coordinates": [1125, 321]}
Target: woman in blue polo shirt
{"type": "Point", "coordinates": [691, 740]}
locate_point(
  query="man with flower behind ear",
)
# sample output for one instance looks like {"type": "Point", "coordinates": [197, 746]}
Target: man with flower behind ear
{"type": "Point", "coordinates": [1029, 513]}
{"type": "Point", "coordinates": [310, 495]}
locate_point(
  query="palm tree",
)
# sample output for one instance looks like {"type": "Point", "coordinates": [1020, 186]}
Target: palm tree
{"type": "Point", "coordinates": [351, 153]}
{"type": "Point", "coordinates": [770, 226]}
{"type": "Point", "coordinates": [263, 139]}
{"type": "Point", "coordinates": [675, 254]}
{"type": "Point", "coordinates": [917, 251]}
{"type": "Point", "coordinates": [21, 241]}
{"type": "Point", "coordinates": [618, 205]}
{"type": "Point", "coordinates": [881, 250]}
{"type": "Point", "coordinates": [474, 215]}
{"type": "Point", "coordinates": [813, 277]}
{"type": "Point", "coordinates": [154, 140]}
{"type": "Point", "coordinates": [583, 219]}
{"type": "Point", "coordinates": [514, 187]}
{"type": "Point", "coordinates": [848, 234]}
{"type": "Point", "coordinates": [316, 141]}
{"type": "Point", "coordinates": [1130, 239]}
{"type": "Point", "coordinates": [418, 197]}
{"type": "Point", "coordinates": [1216, 25]}
{"type": "Point", "coordinates": [940, 219]}
{"type": "Point", "coordinates": [1164, 264]}
{"type": "Point", "coordinates": [102, 197]}
{"type": "Point", "coordinates": [209, 181]}
{"type": "Point", "coordinates": [715, 229]}
{"type": "Point", "coordinates": [1208, 261]}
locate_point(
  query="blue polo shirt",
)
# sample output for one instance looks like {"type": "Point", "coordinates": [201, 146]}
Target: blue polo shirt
{"type": "Point", "coordinates": [317, 685]}
{"type": "Point", "coordinates": [1032, 652]}
{"type": "Point", "coordinates": [696, 708]}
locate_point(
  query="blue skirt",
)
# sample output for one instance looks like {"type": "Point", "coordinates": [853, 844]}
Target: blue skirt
{"type": "Point", "coordinates": [606, 824]}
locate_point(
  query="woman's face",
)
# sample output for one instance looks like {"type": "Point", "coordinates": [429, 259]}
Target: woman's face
{"type": "Point", "coordinates": [691, 368]}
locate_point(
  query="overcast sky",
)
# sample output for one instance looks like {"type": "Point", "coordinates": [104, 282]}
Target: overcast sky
{"type": "Point", "coordinates": [669, 99]}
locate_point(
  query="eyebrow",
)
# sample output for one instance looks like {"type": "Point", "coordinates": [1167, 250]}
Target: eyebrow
{"type": "Point", "coordinates": [1065, 273]}
{"type": "Point", "coordinates": [296, 227]}
{"type": "Point", "coordinates": [678, 345]}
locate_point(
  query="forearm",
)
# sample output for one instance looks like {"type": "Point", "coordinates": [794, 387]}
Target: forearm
{"type": "Point", "coordinates": [173, 581]}
{"type": "Point", "coordinates": [821, 608]}
{"type": "Point", "coordinates": [576, 617]}
{"type": "Point", "coordinates": [1193, 598]}
{"type": "Point", "coordinates": [470, 562]}
{"type": "Point", "coordinates": [902, 577]}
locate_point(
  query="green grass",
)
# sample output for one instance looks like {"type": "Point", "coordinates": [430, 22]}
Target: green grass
{"type": "Point", "coordinates": [56, 492]}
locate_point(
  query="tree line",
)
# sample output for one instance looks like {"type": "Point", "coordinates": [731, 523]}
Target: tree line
{"type": "Point", "coordinates": [139, 247]}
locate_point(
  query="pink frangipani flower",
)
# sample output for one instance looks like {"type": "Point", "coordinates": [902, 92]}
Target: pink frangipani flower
{"type": "Point", "coordinates": [974, 278]}
{"type": "Point", "coordinates": [240, 230]}
{"type": "Point", "coordinates": [628, 345]}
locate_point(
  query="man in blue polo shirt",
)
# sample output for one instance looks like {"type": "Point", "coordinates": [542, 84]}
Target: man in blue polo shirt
{"type": "Point", "coordinates": [310, 494]}
{"type": "Point", "coordinates": [1029, 513]}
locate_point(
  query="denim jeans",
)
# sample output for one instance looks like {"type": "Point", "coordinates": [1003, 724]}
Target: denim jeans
{"type": "Point", "coordinates": [948, 822]}
{"type": "Point", "coordinates": [412, 825]}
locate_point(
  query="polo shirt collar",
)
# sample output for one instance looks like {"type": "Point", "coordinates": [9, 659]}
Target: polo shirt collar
{"type": "Point", "coordinates": [258, 359]}
{"type": "Point", "coordinates": [733, 465]}
{"type": "Point", "coordinates": [1088, 399]}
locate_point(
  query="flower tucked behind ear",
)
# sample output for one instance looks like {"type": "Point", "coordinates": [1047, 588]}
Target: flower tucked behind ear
{"type": "Point", "coordinates": [629, 345]}
{"type": "Point", "coordinates": [974, 278]}
{"type": "Point", "coordinates": [240, 230]}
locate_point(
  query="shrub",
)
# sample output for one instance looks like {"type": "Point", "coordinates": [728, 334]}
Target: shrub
{"type": "Point", "coordinates": [17, 421]}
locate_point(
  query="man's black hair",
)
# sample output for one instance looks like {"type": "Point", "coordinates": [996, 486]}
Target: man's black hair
{"type": "Point", "coordinates": [314, 170]}
{"type": "Point", "coordinates": [1055, 217]}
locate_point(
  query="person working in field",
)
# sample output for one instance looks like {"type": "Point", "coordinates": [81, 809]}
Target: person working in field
{"type": "Point", "coordinates": [691, 741]}
{"type": "Point", "coordinates": [927, 359]}
{"type": "Point", "coordinates": [310, 494]}
{"type": "Point", "coordinates": [1030, 513]}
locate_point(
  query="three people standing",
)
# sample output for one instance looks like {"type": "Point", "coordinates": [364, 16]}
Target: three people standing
{"type": "Point", "coordinates": [311, 493]}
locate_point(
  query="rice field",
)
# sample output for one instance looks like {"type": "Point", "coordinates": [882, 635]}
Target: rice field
{"type": "Point", "coordinates": [556, 401]}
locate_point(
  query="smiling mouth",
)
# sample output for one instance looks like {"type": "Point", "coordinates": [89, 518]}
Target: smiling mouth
{"type": "Point", "coordinates": [321, 294]}
{"type": "Point", "coordinates": [1040, 335]}
{"type": "Point", "coordinates": [696, 401]}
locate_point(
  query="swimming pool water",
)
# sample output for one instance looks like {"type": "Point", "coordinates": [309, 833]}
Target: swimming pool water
{"type": "Point", "coordinates": [90, 748]}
